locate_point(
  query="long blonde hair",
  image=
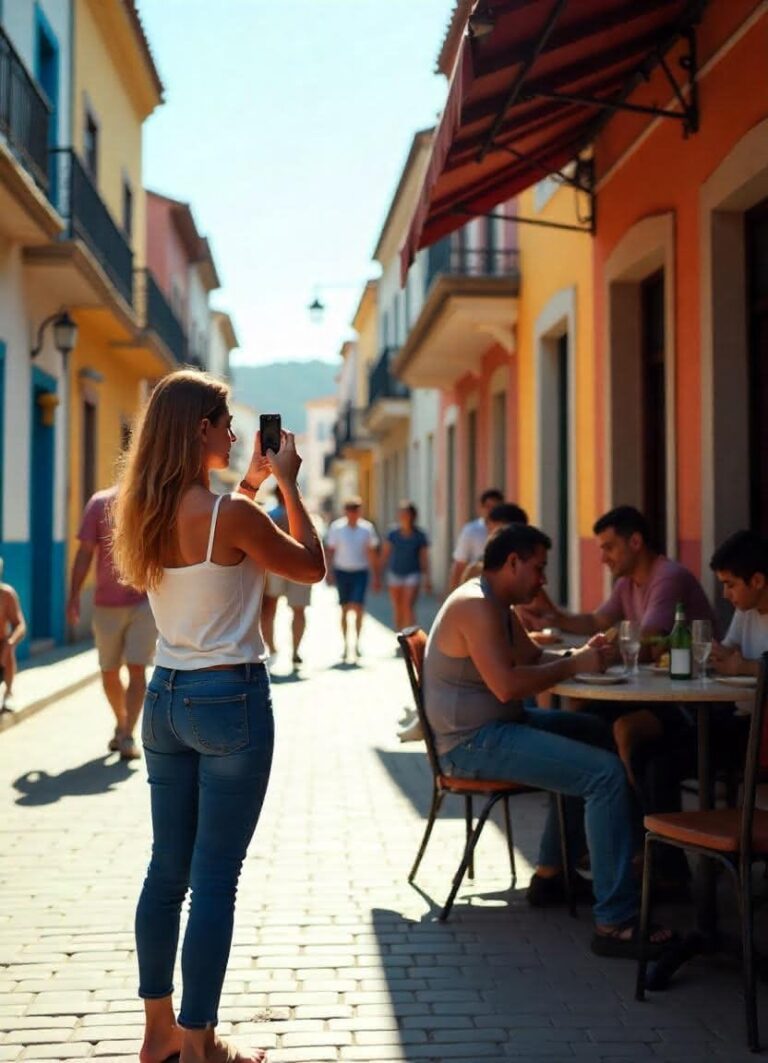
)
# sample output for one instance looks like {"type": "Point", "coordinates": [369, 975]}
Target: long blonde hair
{"type": "Point", "coordinates": [164, 457]}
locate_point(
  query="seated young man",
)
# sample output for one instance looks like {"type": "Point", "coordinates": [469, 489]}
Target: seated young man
{"type": "Point", "coordinates": [741, 565]}
{"type": "Point", "coordinates": [478, 668]}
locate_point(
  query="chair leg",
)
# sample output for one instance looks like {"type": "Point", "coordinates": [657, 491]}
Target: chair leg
{"type": "Point", "coordinates": [565, 855]}
{"type": "Point", "coordinates": [468, 817]}
{"type": "Point", "coordinates": [645, 916]}
{"type": "Point", "coordinates": [748, 955]}
{"type": "Point", "coordinates": [467, 857]}
{"type": "Point", "coordinates": [510, 841]}
{"type": "Point", "coordinates": [437, 800]}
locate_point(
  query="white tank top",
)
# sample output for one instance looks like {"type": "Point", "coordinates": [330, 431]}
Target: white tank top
{"type": "Point", "coordinates": [208, 614]}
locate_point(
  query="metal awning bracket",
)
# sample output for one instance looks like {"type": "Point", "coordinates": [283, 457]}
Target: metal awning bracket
{"type": "Point", "coordinates": [688, 114]}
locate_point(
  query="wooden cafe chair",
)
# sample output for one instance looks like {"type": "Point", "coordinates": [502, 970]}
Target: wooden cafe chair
{"type": "Point", "coordinates": [413, 643]}
{"type": "Point", "coordinates": [735, 837]}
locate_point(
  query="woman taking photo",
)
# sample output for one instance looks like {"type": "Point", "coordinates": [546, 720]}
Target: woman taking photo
{"type": "Point", "coordinates": [405, 558]}
{"type": "Point", "coordinates": [207, 727]}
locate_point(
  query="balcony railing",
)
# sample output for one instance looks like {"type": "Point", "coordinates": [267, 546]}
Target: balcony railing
{"type": "Point", "coordinates": [89, 220]}
{"type": "Point", "coordinates": [25, 113]}
{"type": "Point", "coordinates": [381, 383]}
{"type": "Point", "coordinates": [156, 314]}
{"type": "Point", "coordinates": [449, 257]}
{"type": "Point", "coordinates": [350, 428]}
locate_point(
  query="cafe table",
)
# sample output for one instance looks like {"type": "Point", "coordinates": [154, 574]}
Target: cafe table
{"type": "Point", "coordinates": [652, 686]}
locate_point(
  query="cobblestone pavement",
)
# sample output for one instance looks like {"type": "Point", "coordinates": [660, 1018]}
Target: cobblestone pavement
{"type": "Point", "coordinates": [335, 957]}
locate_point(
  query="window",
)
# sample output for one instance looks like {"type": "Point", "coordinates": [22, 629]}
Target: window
{"type": "Point", "coordinates": [89, 450]}
{"type": "Point", "coordinates": [91, 144]}
{"type": "Point", "coordinates": [127, 209]}
{"type": "Point", "coordinates": [499, 423]}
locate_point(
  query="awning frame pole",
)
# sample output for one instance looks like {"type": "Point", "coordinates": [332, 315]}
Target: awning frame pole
{"type": "Point", "coordinates": [522, 74]}
{"type": "Point", "coordinates": [589, 230]}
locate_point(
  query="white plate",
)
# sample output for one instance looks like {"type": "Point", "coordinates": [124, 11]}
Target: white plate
{"type": "Point", "coordinates": [600, 678]}
{"type": "Point", "coordinates": [748, 681]}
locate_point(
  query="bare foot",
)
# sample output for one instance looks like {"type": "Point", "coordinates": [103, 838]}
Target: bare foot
{"type": "Point", "coordinates": [218, 1051]}
{"type": "Point", "coordinates": [159, 1048]}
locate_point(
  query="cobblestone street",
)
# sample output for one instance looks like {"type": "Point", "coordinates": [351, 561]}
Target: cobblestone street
{"type": "Point", "coordinates": [335, 957]}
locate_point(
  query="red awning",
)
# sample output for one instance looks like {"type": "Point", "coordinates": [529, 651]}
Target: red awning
{"type": "Point", "coordinates": [506, 124]}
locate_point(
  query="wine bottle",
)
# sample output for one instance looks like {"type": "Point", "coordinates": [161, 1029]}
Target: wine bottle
{"type": "Point", "coordinates": [680, 646]}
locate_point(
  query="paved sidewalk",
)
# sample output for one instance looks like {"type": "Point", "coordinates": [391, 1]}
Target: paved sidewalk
{"type": "Point", "coordinates": [335, 957]}
{"type": "Point", "coordinates": [49, 677]}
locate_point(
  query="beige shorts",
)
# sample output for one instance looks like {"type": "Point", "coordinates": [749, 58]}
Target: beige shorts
{"type": "Point", "coordinates": [124, 634]}
{"type": "Point", "coordinates": [298, 595]}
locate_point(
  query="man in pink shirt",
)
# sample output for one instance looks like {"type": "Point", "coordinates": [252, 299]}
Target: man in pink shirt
{"type": "Point", "coordinates": [122, 621]}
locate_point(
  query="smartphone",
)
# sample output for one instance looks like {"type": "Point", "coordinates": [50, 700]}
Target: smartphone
{"type": "Point", "coordinates": [270, 428]}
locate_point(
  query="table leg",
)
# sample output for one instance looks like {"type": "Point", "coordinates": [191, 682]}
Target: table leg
{"type": "Point", "coordinates": [706, 906]}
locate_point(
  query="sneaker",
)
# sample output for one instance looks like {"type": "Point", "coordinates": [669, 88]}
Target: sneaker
{"type": "Point", "coordinates": [128, 749]}
{"type": "Point", "coordinates": [550, 892]}
{"type": "Point", "coordinates": [412, 732]}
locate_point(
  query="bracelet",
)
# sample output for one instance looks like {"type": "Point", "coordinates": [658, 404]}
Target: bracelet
{"type": "Point", "coordinates": [248, 486]}
{"type": "Point", "coordinates": [567, 653]}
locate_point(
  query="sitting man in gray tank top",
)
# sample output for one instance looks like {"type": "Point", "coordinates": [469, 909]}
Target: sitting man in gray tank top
{"type": "Point", "coordinates": [479, 666]}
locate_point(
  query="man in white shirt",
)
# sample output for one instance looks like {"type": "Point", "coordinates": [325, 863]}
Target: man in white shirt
{"type": "Point", "coordinates": [351, 546]}
{"type": "Point", "coordinates": [741, 565]}
{"type": "Point", "coordinates": [473, 537]}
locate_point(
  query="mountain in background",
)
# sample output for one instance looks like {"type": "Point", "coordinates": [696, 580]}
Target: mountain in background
{"type": "Point", "coordinates": [284, 387]}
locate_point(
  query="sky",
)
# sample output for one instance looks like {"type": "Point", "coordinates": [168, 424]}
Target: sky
{"type": "Point", "coordinates": [286, 125]}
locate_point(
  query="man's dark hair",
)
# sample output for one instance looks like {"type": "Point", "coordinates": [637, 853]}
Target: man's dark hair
{"type": "Point", "coordinates": [521, 539]}
{"type": "Point", "coordinates": [508, 513]}
{"type": "Point", "coordinates": [490, 494]}
{"type": "Point", "coordinates": [625, 521]}
{"type": "Point", "coordinates": [742, 554]}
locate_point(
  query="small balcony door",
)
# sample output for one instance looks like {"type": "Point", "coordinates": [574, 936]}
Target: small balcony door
{"type": "Point", "coordinates": [756, 222]}
{"type": "Point", "coordinates": [47, 75]}
{"type": "Point", "coordinates": [654, 417]}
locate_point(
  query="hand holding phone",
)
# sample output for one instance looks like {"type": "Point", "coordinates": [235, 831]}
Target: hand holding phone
{"type": "Point", "coordinates": [270, 430]}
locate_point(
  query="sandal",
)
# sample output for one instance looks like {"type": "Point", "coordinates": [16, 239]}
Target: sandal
{"type": "Point", "coordinates": [615, 945]}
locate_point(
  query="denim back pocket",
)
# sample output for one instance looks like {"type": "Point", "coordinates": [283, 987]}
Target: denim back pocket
{"type": "Point", "coordinates": [219, 723]}
{"type": "Point", "coordinates": [148, 718]}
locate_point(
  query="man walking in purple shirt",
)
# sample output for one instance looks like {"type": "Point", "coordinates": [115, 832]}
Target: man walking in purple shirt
{"type": "Point", "coordinates": [123, 626]}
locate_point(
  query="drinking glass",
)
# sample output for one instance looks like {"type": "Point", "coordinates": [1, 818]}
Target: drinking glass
{"type": "Point", "coordinates": [701, 645]}
{"type": "Point", "coordinates": [629, 645]}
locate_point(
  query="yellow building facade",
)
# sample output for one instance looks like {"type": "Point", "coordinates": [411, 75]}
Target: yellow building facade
{"type": "Point", "coordinates": [116, 88]}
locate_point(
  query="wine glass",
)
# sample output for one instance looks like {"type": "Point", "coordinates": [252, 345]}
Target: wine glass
{"type": "Point", "coordinates": [701, 645]}
{"type": "Point", "coordinates": [629, 645]}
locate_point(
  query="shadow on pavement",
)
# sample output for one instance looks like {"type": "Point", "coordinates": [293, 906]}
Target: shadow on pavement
{"type": "Point", "coordinates": [94, 777]}
{"type": "Point", "coordinates": [380, 607]}
{"type": "Point", "coordinates": [287, 677]}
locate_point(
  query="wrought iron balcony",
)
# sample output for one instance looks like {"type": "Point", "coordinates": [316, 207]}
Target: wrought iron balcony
{"type": "Point", "coordinates": [89, 220]}
{"type": "Point", "coordinates": [156, 314]}
{"type": "Point", "coordinates": [381, 383]}
{"type": "Point", "coordinates": [350, 429]}
{"type": "Point", "coordinates": [25, 113]}
{"type": "Point", "coordinates": [448, 257]}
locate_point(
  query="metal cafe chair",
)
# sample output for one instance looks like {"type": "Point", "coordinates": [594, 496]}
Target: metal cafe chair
{"type": "Point", "coordinates": [413, 643]}
{"type": "Point", "coordinates": [736, 838]}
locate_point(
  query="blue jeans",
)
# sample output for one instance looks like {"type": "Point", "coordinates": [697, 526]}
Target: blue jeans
{"type": "Point", "coordinates": [549, 749]}
{"type": "Point", "coordinates": [208, 738]}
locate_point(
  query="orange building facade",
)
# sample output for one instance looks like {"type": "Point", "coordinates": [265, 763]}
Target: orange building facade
{"type": "Point", "coordinates": [680, 284]}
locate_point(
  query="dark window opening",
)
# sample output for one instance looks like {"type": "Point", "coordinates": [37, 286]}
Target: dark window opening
{"type": "Point", "coordinates": [471, 463]}
{"type": "Point", "coordinates": [654, 460]}
{"type": "Point", "coordinates": [89, 450]}
{"type": "Point", "coordinates": [756, 225]}
{"type": "Point", "coordinates": [128, 209]}
{"type": "Point", "coordinates": [563, 466]}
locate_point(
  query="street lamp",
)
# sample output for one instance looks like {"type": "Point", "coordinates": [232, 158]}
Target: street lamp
{"type": "Point", "coordinates": [317, 307]}
{"type": "Point", "coordinates": [64, 335]}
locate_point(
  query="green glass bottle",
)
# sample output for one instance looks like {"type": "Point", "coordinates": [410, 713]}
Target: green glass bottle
{"type": "Point", "coordinates": [680, 646]}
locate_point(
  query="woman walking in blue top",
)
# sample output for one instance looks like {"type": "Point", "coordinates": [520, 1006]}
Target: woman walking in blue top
{"type": "Point", "coordinates": [405, 558]}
